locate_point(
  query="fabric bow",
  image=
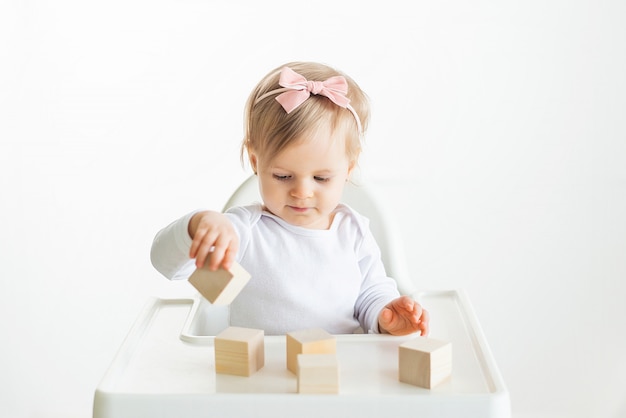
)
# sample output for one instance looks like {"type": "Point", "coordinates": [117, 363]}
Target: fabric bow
{"type": "Point", "coordinates": [300, 89]}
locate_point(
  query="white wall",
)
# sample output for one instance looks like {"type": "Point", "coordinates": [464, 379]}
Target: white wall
{"type": "Point", "coordinates": [498, 129]}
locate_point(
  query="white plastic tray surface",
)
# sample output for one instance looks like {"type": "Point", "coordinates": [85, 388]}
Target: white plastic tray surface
{"type": "Point", "coordinates": [166, 368]}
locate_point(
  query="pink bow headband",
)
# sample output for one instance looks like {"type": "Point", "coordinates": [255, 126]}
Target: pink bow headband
{"type": "Point", "coordinates": [296, 89]}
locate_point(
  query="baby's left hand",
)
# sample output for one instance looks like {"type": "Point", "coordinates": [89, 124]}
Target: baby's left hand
{"type": "Point", "coordinates": [403, 316]}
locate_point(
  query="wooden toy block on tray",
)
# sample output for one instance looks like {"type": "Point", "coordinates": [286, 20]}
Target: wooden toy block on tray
{"type": "Point", "coordinates": [308, 341]}
{"type": "Point", "coordinates": [239, 351]}
{"type": "Point", "coordinates": [425, 362]}
{"type": "Point", "coordinates": [318, 373]}
{"type": "Point", "coordinates": [220, 287]}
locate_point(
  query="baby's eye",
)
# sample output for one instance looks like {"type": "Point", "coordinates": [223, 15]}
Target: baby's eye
{"type": "Point", "coordinates": [281, 177]}
{"type": "Point", "coordinates": [321, 179]}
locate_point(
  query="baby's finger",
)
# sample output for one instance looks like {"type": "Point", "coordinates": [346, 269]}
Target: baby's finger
{"type": "Point", "coordinates": [229, 257]}
{"type": "Point", "coordinates": [197, 242]}
{"type": "Point", "coordinates": [425, 322]}
{"type": "Point", "coordinates": [221, 254]}
{"type": "Point", "coordinates": [203, 254]}
{"type": "Point", "coordinates": [216, 257]}
{"type": "Point", "coordinates": [417, 310]}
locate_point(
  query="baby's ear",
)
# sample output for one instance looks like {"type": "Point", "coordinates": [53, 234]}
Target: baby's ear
{"type": "Point", "coordinates": [253, 162]}
{"type": "Point", "coordinates": [351, 168]}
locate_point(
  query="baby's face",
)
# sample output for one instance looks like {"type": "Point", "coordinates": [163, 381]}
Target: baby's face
{"type": "Point", "coordinates": [303, 184]}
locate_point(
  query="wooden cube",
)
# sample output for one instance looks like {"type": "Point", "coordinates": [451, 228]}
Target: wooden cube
{"type": "Point", "coordinates": [220, 287]}
{"type": "Point", "coordinates": [308, 341]}
{"type": "Point", "coordinates": [239, 351]}
{"type": "Point", "coordinates": [318, 373]}
{"type": "Point", "coordinates": [425, 362]}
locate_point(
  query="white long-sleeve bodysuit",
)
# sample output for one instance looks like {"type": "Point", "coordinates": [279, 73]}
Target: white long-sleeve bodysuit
{"type": "Point", "coordinates": [301, 278]}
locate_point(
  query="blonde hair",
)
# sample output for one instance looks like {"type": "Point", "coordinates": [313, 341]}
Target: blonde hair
{"type": "Point", "coordinates": [269, 129]}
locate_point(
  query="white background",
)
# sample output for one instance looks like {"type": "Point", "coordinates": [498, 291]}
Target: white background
{"type": "Point", "coordinates": [498, 131]}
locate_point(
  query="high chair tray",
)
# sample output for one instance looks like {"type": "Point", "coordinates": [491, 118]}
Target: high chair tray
{"type": "Point", "coordinates": [165, 368]}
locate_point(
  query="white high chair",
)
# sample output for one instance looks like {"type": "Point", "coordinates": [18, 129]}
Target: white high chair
{"type": "Point", "coordinates": [163, 370]}
{"type": "Point", "coordinates": [365, 201]}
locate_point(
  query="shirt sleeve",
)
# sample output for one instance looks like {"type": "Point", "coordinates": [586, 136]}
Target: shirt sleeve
{"type": "Point", "coordinates": [170, 250]}
{"type": "Point", "coordinates": [243, 218]}
{"type": "Point", "coordinates": [377, 289]}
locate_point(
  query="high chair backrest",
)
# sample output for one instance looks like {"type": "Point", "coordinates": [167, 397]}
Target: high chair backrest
{"type": "Point", "coordinates": [365, 201]}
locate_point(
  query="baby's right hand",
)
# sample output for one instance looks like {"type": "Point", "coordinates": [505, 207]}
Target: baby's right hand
{"type": "Point", "coordinates": [213, 237]}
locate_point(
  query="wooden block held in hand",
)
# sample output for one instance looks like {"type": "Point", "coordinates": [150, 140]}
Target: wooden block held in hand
{"type": "Point", "coordinates": [318, 373]}
{"type": "Point", "coordinates": [220, 287]}
{"type": "Point", "coordinates": [239, 351]}
{"type": "Point", "coordinates": [308, 341]}
{"type": "Point", "coordinates": [425, 362]}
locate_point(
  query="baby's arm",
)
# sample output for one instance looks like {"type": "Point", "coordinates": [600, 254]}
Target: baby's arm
{"type": "Point", "coordinates": [213, 238]}
{"type": "Point", "coordinates": [403, 316]}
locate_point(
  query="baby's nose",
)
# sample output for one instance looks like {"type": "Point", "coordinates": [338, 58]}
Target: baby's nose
{"type": "Point", "coordinates": [301, 190]}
